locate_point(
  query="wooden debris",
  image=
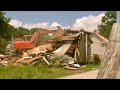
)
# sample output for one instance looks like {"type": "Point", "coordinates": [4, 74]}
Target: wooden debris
{"type": "Point", "coordinates": [25, 54]}
{"type": "Point", "coordinates": [46, 60]}
{"type": "Point", "coordinates": [40, 49]}
{"type": "Point", "coordinates": [70, 68]}
{"type": "Point", "coordinates": [28, 61]}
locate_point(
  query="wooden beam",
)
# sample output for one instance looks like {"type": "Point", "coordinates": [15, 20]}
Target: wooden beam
{"type": "Point", "coordinates": [46, 60]}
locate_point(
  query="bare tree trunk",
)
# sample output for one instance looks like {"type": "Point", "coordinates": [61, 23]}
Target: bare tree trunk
{"type": "Point", "coordinates": [110, 65]}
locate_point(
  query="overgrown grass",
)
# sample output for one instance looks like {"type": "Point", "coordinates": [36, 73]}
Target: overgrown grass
{"type": "Point", "coordinates": [39, 72]}
{"type": "Point", "coordinates": [32, 72]}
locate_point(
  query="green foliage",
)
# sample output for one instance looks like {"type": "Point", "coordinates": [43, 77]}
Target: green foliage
{"type": "Point", "coordinates": [107, 21]}
{"type": "Point", "coordinates": [22, 31]}
{"type": "Point", "coordinates": [8, 30]}
{"type": "Point", "coordinates": [4, 27]}
{"type": "Point", "coordinates": [33, 30]}
{"type": "Point", "coordinates": [17, 32]}
{"type": "Point", "coordinates": [40, 71]}
{"type": "Point", "coordinates": [3, 44]}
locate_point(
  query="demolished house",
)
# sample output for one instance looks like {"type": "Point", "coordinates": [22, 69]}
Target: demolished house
{"type": "Point", "coordinates": [80, 45]}
{"type": "Point", "coordinates": [77, 44]}
{"type": "Point", "coordinates": [74, 44]}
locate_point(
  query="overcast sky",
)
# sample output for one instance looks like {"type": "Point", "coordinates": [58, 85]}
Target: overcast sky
{"type": "Point", "coordinates": [68, 19]}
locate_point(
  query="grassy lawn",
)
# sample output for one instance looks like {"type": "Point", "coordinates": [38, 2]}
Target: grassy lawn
{"type": "Point", "coordinates": [39, 72]}
{"type": "Point", "coordinates": [90, 67]}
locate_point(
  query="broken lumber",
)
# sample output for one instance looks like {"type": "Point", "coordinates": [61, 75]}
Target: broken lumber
{"type": "Point", "coordinates": [70, 68]}
{"type": "Point", "coordinates": [40, 49]}
{"type": "Point", "coordinates": [46, 60]}
{"type": "Point", "coordinates": [28, 61]}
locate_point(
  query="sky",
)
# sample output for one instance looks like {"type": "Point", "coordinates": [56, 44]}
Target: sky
{"type": "Point", "coordinates": [75, 20]}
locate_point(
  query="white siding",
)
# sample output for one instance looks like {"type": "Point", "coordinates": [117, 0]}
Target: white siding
{"type": "Point", "coordinates": [96, 47]}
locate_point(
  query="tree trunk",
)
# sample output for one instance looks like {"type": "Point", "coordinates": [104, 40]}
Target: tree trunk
{"type": "Point", "coordinates": [110, 64]}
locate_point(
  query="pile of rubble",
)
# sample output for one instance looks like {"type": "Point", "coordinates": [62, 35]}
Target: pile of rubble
{"type": "Point", "coordinates": [33, 56]}
{"type": "Point", "coordinates": [27, 57]}
{"type": "Point", "coordinates": [46, 52]}
{"type": "Point", "coordinates": [15, 60]}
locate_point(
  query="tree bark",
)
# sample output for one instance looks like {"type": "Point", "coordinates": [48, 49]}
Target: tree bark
{"type": "Point", "coordinates": [110, 64]}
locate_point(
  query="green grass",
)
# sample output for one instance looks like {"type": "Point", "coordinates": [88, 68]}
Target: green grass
{"type": "Point", "coordinates": [90, 67]}
{"type": "Point", "coordinates": [32, 72]}
{"type": "Point", "coordinates": [39, 72]}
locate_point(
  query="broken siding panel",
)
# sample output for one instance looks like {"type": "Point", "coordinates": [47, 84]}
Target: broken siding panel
{"type": "Point", "coordinates": [71, 50]}
{"type": "Point", "coordinates": [63, 49]}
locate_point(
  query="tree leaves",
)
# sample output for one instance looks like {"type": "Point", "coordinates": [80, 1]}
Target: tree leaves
{"type": "Point", "coordinates": [107, 22]}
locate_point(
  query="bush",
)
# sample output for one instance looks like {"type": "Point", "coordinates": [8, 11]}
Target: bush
{"type": "Point", "coordinates": [3, 44]}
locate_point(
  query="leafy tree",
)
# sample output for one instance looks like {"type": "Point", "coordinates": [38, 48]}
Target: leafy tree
{"type": "Point", "coordinates": [23, 31]}
{"type": "Point", "coordinates": [107, 22]}
{"type": "Point", "coordinates": [4, 25]}
{"type": "Point", "coordinates": [4, 33]}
